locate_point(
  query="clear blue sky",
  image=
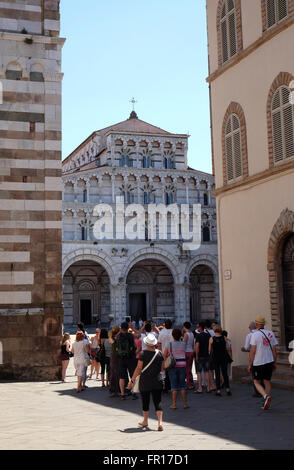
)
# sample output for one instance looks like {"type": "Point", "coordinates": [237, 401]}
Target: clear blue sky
{"type": "Point", "coordinates": [154, 50]}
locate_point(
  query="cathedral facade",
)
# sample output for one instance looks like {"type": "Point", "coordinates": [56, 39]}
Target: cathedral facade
{"type": "Point", "coordinates": [129, 166]}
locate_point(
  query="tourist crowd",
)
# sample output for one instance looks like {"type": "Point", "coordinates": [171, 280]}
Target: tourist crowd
{"type": "Point", "coordinates": [150, 360]}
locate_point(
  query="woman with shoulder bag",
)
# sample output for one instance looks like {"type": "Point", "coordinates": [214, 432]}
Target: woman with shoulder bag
{"type": "Point", "coordinates": [177, 374]}
{"type": "Point", "coordinates": [149, 372]}
{"type": "Point", "coordinates": [94, 349]}
{"type": "Point", "coordinates": [218, 349]}
{"type": "Point", "coordinates": [103, 356]}
{"type": "Point", "coordinates": [114, 367]}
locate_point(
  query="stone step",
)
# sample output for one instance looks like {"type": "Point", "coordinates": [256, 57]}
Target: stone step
{"type": "Point", "coordinates": [283, 364]}
{"type": "Point", "coordinates": [284, 355]}
{"type": "Point", "coordinates": [275, 383]}
{"type": "Point", "coordinates": [284, 375]}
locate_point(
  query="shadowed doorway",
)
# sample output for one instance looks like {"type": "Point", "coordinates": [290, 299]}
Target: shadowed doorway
{"type": "Point", "coordinates": [137, 306]}
{"type": "Point", "coordinates": [86, 311]}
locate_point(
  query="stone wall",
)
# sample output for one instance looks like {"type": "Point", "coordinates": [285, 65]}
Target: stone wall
{"type": "Point", "coordinates": [31, 312]}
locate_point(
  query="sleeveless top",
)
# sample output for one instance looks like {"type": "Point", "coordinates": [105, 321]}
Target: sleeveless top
{"type": "Point", "coordinates": [219, 348]}
{"type": "Point", "coordinates": [190, 342]}
{"type": "Point", "coordinates": [64, 352]}
{"type": "Point", "coordinates": [107, 347]}
{"type": "Point", "coordinates": [95, 343]}
{"type": "Point", "coordinates": [79, 352]}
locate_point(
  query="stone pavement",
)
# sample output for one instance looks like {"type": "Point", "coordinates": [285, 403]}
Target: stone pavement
{"type": "Point", "coordinates": [52, 416]}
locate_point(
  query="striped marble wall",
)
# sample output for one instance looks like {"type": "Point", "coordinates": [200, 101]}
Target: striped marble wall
{"type": "Point", "coordinates": [30, 175]}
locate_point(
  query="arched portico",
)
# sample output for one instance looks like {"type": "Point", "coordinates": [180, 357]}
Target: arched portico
{"type": "Point", "coordinates": [153, 253]}
{"type": "Point", "coordinates": [98, 257]}
{"type": "Point", "coordinates": [202, 275]}
{"type": "Point", "coordinates": [278, 278]}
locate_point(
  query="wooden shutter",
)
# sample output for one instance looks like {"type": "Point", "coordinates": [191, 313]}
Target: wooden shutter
{"type": "Point", "coordinates": [277, 137]}
{"type": "Point", "coordinates": [282, 125]}
{"type": "Point", "coordinates": [232, 34]}
{"type": "Point", "coordinates": [237, 155]}
{"type": "Point", "coordinates": [233, 147]}
{"type": "Point", "coordinates": [271, 12]}
{"type": "Point", "coordinates": [288, 131]}
{"type": "Point", "coordinates": [228, 30]}
{"type": "Point", "coordinates": [282, 9]}
{"type": "Point", "coordinates": [276, 11]}
{"type": "Point", "coordinates": [229, 157]}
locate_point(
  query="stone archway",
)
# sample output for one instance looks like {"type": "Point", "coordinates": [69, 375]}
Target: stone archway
{"type": "Point", "coordinates": [283, 228]}
{"type": "Point", "coordinates": [97, 256]}
{"type": "Point", "coordinates": [86, 293]}
{"type": "Point", "coordinates": [202, 276]}
{"type": "Point", "coordinates": [152, 253]}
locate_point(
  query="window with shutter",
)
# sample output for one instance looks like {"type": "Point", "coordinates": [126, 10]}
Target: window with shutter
{"type": "Point", "coordinates": [282, 125]}
{"type": "Point", "coordinates": [233, 148]}
{"type": "Point", "coordinates": [276, 11]}
{"type": "Point", "coordinates": [228, 30]}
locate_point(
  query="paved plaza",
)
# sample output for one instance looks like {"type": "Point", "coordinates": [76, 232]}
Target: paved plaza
{"type": "Point", "coordinates": [52, 416]}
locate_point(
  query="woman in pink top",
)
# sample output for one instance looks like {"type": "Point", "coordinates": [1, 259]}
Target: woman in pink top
{"type": "Point", "coordinates": [177, 374]}
{"type": "Point", "coordinates": [138, 343]}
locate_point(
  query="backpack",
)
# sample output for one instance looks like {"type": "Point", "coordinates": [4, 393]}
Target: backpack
{"type": "Point", "coordinates": [125, 348]}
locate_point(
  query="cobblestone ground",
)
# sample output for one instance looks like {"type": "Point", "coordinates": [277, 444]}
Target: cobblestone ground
{"type": "Point", "coordinates": [52, 416]}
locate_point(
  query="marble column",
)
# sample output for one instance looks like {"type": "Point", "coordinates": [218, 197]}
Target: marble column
{"type": "Point", "coordinates": [118, 302]}
{"type": "Point", "coordinates": [182, 311]}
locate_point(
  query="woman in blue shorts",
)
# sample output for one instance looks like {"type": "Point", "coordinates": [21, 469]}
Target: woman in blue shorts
{"type": "Point", "coordinates": [177, 374]}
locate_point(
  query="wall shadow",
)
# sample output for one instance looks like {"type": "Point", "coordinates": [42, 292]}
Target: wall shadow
{"type": "Point", "coordinates": [238, 419]}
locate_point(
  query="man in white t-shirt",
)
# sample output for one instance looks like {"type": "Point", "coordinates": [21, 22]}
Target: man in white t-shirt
{"type": "Point", "coordinates": [252, 328]}
{"type": "Point", "coordinates": [164, 338]}
{"type": "Point", "coordinates": [262, 358]}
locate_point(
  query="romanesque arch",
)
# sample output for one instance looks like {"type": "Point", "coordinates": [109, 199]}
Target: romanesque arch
{"type": "Point", "coordinates": [152, 253]}
{"type": "Point", "coordinates": [281, 231]}
{"type": "Point", "coordinates": [201, 267]}
{"type": "Point", "coordinates": [92, 255]}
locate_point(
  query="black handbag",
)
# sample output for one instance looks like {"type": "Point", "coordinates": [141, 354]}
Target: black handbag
{"type": "Point", "coordinates": [100, 354]}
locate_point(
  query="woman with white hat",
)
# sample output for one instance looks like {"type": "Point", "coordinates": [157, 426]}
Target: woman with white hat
{"type": "Point", "coordinates": [149, 368]}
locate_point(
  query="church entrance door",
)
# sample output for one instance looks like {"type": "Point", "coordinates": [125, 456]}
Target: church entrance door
{"type": "Point", "coordinates": [86, 311]}
{"type": "Point", "coordinates": [137, 305]}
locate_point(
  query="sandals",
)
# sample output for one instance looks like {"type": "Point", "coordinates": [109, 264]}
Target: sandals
{"type": "Point", "coordinates": [160, 428]}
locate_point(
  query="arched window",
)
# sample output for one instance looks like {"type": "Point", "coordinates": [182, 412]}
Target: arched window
{"type": "Point", "coordinates": [205, 199]}
{"type": "Point", "coordinates": [146, 197]}
{"type": "Point", "coordinates": [169, 197]}
{"type": "Point", "coordinates": [130, 197]}
{"type": "Point", "coordinates": [169, 162]}
{"type": "Point", "coordinates": [206, 234]}
{"type": "Point", "coordinates": [147, 161]}
{"type": "Point", "coordinates": [282, 111]}
{"type": "Point", "coordinates": [233, 148]}
{"type": "Point", "coordinates": [228, 29]}
{"type": "Point", "coordinates": [83, 233]}
{"type": "Point", "coordinates": [276, 11]}
{"type": "Point", "coordinates": [85, 195]}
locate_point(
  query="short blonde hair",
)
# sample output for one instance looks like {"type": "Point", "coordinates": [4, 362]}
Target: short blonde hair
{"type": "Point", "coordinates": [217, 329]}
